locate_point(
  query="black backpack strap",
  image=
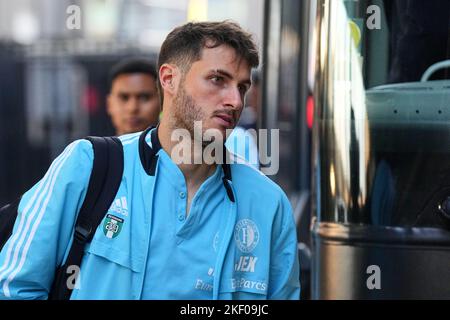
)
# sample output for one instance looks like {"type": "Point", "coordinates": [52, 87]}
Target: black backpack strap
{"type": "Point", "coordinates": [104, 182]}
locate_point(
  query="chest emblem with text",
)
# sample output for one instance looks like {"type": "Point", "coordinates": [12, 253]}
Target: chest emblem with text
{"type": "Point", "coordinates": [246, 235]}
{"type": "Point", "coordinates": [112, 226]}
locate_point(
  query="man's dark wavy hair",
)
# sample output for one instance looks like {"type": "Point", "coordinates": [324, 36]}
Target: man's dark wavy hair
{"type": "Point", "coordinates": [132, 65]}
{"type": "Point", "coordinates": [184, 44]}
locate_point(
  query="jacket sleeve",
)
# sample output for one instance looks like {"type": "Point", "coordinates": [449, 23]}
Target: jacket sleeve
{"type": "Point", "coordinates": [44, 225]}
{"type": "Point", "coordinates": [284, 283]}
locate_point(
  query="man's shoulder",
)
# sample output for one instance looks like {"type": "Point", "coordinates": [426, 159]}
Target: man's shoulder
{"type": "Point", "coordinates": [80, 149]}
{"type": "Point", "coordinates": [130, 143]}
{"type": "Point", "coordinates": [246, 177]}
{"type": "Point", "coordinates": [129, 139]}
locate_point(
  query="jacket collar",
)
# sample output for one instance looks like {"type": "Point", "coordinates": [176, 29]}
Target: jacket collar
{"type": "Point", "coordinates": [149, 158]}
{"type": "Point", "coordinates": [148, 154]}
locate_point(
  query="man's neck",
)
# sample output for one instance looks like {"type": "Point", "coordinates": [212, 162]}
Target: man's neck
{"type": "Point", "coordinates": [195, 172]}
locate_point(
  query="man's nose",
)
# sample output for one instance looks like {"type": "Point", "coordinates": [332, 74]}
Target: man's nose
{"type": "Point", "coordinates": [132, 104]}
{"type": "Point", "coordinates": [234, 98]}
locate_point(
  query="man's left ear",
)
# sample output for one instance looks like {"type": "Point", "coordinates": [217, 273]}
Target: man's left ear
{"type": "Point", "coordinates": [168, 77]}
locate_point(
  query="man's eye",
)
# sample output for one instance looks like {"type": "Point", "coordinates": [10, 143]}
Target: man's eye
{"type": "Point", "coordinates": [144, 97]}
{"type": "Point", "coordinates": [123, 97]}
{"type": "Point", "coordinates": [217, 79]}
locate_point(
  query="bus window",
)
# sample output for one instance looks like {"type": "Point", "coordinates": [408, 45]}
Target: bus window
{"type": "Point", "coordinates": [381, 149]}
{"type": "Point", "coordinates": [378, 142]}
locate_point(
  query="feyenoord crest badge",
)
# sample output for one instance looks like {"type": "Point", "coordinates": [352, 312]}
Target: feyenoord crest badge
{"type": "Point", "coordinates": [246, 235]}
{"type": "Point", "coordinates": [112, 226]}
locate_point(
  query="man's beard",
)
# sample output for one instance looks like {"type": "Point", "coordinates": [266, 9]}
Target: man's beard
{"type": "Point", "coordinates": [186, 113]}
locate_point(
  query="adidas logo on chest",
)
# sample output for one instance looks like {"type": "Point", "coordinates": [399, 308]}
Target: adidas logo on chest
{"type": "Point", "coordinates": [119, 206]}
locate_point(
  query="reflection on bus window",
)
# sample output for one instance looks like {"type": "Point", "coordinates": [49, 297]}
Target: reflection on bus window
{"type": "Point", "coordinates": [384, 120]}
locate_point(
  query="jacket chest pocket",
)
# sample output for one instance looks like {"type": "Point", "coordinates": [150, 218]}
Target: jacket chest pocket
{"type": "Point", "coordinates": [115, 255]}
{"type": "Point", "coordinates": [108, 273]}
{"type": "Point", "coordinates": [114, 242]}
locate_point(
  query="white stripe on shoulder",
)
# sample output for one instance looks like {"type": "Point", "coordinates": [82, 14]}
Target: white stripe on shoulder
{"type": "Point", "coordinates": [42, 184]}
{"type": "Point", "coordinates": [48, 190]}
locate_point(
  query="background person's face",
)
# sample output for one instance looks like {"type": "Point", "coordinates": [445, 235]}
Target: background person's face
{"type": "Point", "coordinates": [133, 103]}
{"type": "Point", "coordinates": [212, 91]}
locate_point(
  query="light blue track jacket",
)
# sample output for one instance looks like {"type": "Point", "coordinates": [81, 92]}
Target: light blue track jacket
{"type": "Point", "coordinates": [256, 256]}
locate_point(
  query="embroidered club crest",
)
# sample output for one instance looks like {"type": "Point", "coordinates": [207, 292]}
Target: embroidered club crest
{"type": "Point", "coordinates": [112, 226]}
{"type": "Point", "coordinates": [246, 235]}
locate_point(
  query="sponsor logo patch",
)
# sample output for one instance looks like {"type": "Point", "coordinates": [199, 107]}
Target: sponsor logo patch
{"type": "Point", "coordinates": [246, 264]}
{"type": "Point", "coordinates": [243, 283]}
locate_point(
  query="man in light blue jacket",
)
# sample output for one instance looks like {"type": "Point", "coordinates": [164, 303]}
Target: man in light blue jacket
{"type": "Point", "coordinates": [176, 229]}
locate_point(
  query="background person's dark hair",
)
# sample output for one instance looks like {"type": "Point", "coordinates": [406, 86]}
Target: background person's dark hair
{"type": "Point", "coordinates": [132, 65]}
{"type": "Point", "coordinates": [184, 44]}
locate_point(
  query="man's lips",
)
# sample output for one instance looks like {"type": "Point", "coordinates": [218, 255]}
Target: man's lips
{"type": "Point", "coordinates": [225, 119]}
{"type": "Point", "coordinates": [134, 122]}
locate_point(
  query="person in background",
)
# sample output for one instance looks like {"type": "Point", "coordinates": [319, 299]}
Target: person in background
{"type": "Point", "coordinates": [133, 102]}
{"type": "Point", "coordinates": [249, 116]}
{"type": "Point", "coordinates": [243, 140]}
